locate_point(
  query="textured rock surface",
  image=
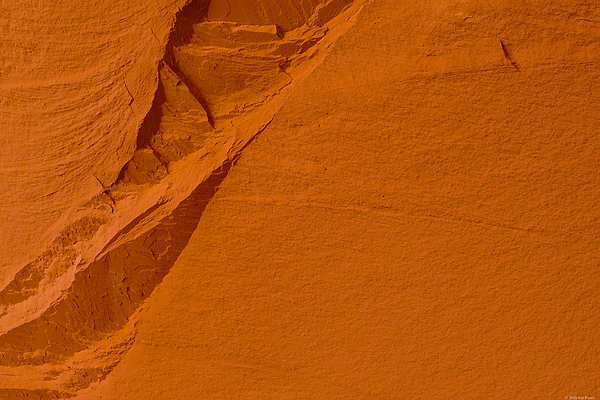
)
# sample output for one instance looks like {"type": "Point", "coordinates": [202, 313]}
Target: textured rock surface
{"type": "Point", "coordinates": [418, 216]}
{"type": "Point", "coordinates": [76, 81]}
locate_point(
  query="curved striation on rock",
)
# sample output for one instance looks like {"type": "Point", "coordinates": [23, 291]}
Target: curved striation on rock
{"type": "Point", "coordinates": [76, 81]}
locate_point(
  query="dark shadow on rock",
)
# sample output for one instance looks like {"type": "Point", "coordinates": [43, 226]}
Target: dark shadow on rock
{"type": "Point", "coordinates": [105, 295]}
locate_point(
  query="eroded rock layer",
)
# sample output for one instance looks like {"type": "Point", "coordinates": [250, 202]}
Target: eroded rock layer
{"type": "Point", "coordinates": [68, 315]}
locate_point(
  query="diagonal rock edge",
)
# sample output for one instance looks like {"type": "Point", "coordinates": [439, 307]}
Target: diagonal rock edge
{"type": "Point", "coordinates": [132, 220]}
{"type": "Point", "coordinates": [118, 282]}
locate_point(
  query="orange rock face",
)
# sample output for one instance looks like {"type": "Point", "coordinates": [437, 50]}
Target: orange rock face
{"type": "Point", "coordinates": [299, 199]}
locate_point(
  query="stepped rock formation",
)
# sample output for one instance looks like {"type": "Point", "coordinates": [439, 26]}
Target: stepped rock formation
{"type": "Point", "coordinates": [235, 199]}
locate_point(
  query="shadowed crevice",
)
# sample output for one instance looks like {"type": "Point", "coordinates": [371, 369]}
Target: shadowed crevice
{"type": "Point", "coordinates": [192, 13]}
